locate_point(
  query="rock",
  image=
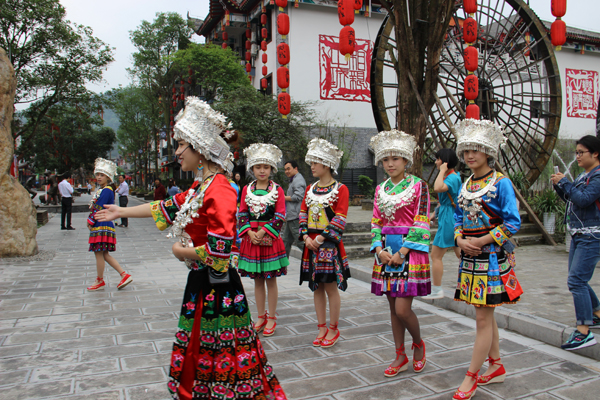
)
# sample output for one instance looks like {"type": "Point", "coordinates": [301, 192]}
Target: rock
{"type": "Point", "coordinates": [18, 216]}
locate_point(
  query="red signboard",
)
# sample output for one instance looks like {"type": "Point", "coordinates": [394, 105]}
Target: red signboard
{"type": "Point", "coordinates": [583, 88]}
{"type": "Point", "coordinates": [341, 79]}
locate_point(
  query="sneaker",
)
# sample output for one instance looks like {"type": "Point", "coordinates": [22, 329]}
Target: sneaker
{"type": "Point", "coordinates": [578, 340]}
{"type": "Point", "coordinates": [596, 323]}
{"type": "Point", "coordinates": [436, 293]}
{"type": "Point", "coordinates": [99, 284]}
{"type": "Point", "coordinates": [70, 228]}
{"type": "Point", "coordinates": [127, 279]}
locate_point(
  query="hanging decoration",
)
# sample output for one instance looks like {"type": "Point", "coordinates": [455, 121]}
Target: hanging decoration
{"type": "Point", "coordinates": [248, 50]}
{"type": "Point", "coordinates": [471, 58]}
{"type": "Point", "coordinates": [283, 58]}
{"type": "Point", "coordinates": [263, 46]}
{"type": "Point", "coordinates": [346, 10]}
{"type": "Point", "coordinates": [357, 6]}
{"type": "Point", "coordinates": [558, 30]}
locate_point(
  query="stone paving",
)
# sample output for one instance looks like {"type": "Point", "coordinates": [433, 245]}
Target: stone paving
{"type": "Point", "coordinates": [59, 342]}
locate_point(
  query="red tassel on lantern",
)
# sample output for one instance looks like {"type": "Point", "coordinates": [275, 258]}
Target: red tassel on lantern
{"type": "Point", "coordinates": [283, 103]}
{"type": "Point", "coordinates": [470, 30]}
{"type": "Point", "coordinates": [283, 24]}
{"type": "Point", "coordinates": [263, 45]}
{"type": "Point", "coordinates": [264, 33]}
{"type": "Point", "coordinates": [470, 6]}
{"type": "Point", "coordinates": [283, 53]}
{"type": "Point", "coordinates": [264, 58]}
{"type": "Point", "coordinates": [265, 71]}
{"type": "Point", "coordinates": [263, 83]}
{"type": "Point", "coordinates": [281, 4]}
{"type": "Point", "coordinates": [283, 77]}
{"type": "Point", "coordinates": [346, 11]}
{"type": "Point", "coordinates": [473, 111]}
{"type": "Point", "coordinates": [225, 36]}
{"type": "Point", "coordinates": [559, 8]}
{"type": "Point", "coordinates": [248, 67]}
{"type": "Point", "coordinates": [347, 41]}
{"type": "Point", "coordinates": [471, 87]}
{"type": "Point", "coordinates": [471, 57]}
{"type": "Point", "coordinates": [263, 19]}
{"type": "Point", "coordinates": [248, 56]}
{"type": "Point", "coordinates": [558, 33]}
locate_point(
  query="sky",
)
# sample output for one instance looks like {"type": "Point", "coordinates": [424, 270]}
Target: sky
{"type": "Point", "coordinates": [112, 20]}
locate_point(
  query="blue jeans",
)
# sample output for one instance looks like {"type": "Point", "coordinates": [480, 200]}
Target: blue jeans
{"type": "Point", "coordinates": [583, 257]}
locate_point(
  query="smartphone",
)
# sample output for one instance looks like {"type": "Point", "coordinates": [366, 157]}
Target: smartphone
{"type": "Point", "coordinates": [556, 170]}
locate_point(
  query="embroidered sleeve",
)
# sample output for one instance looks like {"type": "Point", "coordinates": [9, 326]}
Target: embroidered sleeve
{"type": "Point", "coordinates": [376, 224]}
{"type": "Point", "coordinates": [303, 216]}
{"type": "Point", "coordinates": [419, 234]}
{"type": "Point", "coordinates": [243, 215]}
{"type": "Point", "coordinates": [107, 196]}
{"type": "Point", "coordinates": [273, 227]}
{"type": "Point", "coordinates": [335, 229]}
{"type": "Point", "coordinates": [511, 220]}
{"type": "Point", "coordinates": [164, 211]}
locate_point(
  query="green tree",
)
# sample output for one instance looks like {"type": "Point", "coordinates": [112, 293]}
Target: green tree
{"type": "Point", "coordinates": [215, 70]}
{"type": "Point", "coordinates": [53, 59]}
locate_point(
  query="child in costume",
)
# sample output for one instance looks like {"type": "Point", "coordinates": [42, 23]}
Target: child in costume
{"type": "Point", "coordinates": [261, 217]}
{"type": "Point", "coordinates": [102, 234]}
{"type": "Point", "coordinates": [485, 220]}
{"type": "Point", "coordinates": [217, 353]}
{"type": "Point", "coordinates": [322, 221]}
{"type": "Point", "coordinates": [400, 240]}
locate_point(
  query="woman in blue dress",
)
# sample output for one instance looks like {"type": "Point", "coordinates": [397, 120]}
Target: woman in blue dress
{"type": "Point", "coordinates": [447, 185]}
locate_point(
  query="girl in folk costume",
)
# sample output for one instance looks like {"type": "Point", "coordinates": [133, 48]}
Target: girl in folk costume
{"type": "Point", "coordinates": [322, 220]}
{"type": "Point", "coordinates": [400, 241]}
{"type": "Point", "coordinates": [216, 353]}
{"type": "Point", "coordinates": [486, 217]}
{"type": "Point", "coordinates": [102, 234]}
{"type": "Point", "coordinates": [261, 217]}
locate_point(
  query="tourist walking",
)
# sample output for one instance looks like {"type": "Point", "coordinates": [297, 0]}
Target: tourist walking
{"type": "Point", "coordinates": [66, 191]}
{"type": "Point", "coordinates": [322, 221]}
{"type": "Point", "coordinates": [261, 217]}
{"type": "Point", "coordinates": [123, 193]}
{"type": "Point", "coordinates": [582, 219]}
{"type": "Point", "coordinates": [446, 185]}
{"type": "Point", "coordinates": [160, 193]}
{"type": "Point", "coordinates": [173, 189]}
{"type": "Point", "coordinates": [103, 239]}
{"type": "Point", "coordinates": [485, 220]}
{"type": "Point", "coordinates": [216, 352]}
{"type": "Point", "coordinates": [400, 241]}
{"type": "Point", "coordinates": [293, 201]}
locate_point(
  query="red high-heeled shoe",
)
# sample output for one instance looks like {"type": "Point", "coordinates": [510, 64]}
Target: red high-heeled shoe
{"type": "Point", "coordinates": [319, 339]}
{"type": "Point", "coordinates": [270, 331]}
{"type": "Point", "coordinates": [393, 371]}
{"type": "Point", "coordinates": [497, 376]}
{"type": "Point", "coordinates": [460, 395]}
{"type": "Point", "coordinates": [331, 342]}
{"type": "Point", "coordinates": [260, 326]}
{"type": "Point", "coordinates": [419, 365]}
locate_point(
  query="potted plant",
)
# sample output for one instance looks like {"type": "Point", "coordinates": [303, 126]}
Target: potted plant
{"type": "Point", "coordinates": [367, 189]}
{"type": "Point", "coordinates": [521, 183]}
{"type": "Point", "coordinates": [548, 204]}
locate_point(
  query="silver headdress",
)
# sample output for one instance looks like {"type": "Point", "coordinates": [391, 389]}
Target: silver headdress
{"type": "Point", "coordinates": [201, 126]}
{"type": "Point", "coordinates": [322, 152]}
{"type": "Point", "coordinates": [105, 167]}
{"type": "Point", "coordinates": [393, 143]}
{"type": "Point", "coordinates": [262, 153]}
{"type": "Point", "coordinates": [479, 135]}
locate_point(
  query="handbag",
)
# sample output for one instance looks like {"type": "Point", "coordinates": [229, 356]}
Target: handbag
{"type": "Point", "coordinates": [217, 278]}
{"type": "Point", "coordinates": [266, 241]}
{"type": "Point", "coordinates": [327, 252]}
{"type": "Point", "coordinates": [512, 285]}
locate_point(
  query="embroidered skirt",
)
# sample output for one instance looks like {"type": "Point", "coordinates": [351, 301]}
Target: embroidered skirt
{"type": "Point", "coordinates": [102, 237]}
{"type": "Point", "coordinates": [217, 353]}
{"type": "Point", "coordinates": [262, 261]}
{"type": "Point", "coordinates": [329, 265]}
{"type": "Point", "coordinates": [488, 280]}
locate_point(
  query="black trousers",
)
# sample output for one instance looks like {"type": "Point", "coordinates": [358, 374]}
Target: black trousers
{"type": "Point", "coordinates": [65, 211]}
{"type": "Point", "coordinates": [123, 201]}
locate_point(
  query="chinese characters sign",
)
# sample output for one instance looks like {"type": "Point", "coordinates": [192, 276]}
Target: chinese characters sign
{"type": "Point", "coordinates": [583, 88]}
{"type": "Point", "coordinates": [341, 79]}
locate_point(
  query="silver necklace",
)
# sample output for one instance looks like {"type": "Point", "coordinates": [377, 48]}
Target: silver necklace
{"type": "Point", "coordinates": [257, 205]}
{"type": "Point", "coordinates": [471, 202]}
{"type": "Point", "coordinates": [189, 210]}
{"type": "Point", "coordinates": [318, 202]}
{"type": "Point", "coordinates": [389, 203]}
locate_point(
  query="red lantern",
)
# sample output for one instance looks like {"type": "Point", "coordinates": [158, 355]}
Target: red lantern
{"type": "Point", "coordinates": [190, 80]}
{"type": "Point", "coordinates": [283, 53]}
{"type": "Point", "coordinates": [283, 24]}
{"type": "Point", "coordinates": [248, 67]}
{"type": "Point", "coordinates": [473, 111]}
{"type": "Point", "coordinates": [248, 56]}
{"type": "Point", "coordinates": [471, 56]}
{"type": "Point", "coordinates": [224, 45]}
{"type": "Point", "coordinates": [470, 30]}
{"type": "Point", "coordinates": [346, 11]}
{"type": "Point", "coordinates": [264, 58]}
{"type": "Point", "coordinates": [559, 8]}
{"type": "Point", "coordinates": [248, 34]}
{"type": "Point", "coordinates": [471, 87]}
{"type": "Point", "coordinates": [174, 104]}
{"type": "Point", "coordinates": [248, 45]}
{"type": "Point", "coordinates": [283, 103]}
{"type": "Point", "coordinates": [182, 89]}
{"type": "Point", "coordinates": [558, 33]}
{"type": "Point", "coordinates": [236, 155]}
{"type": "Point", "coordinates": [225, 36]}
{"type": "Point", "coordinates": [263, 83]}
{"type": "Point", "coordinates": [358, 4]}
{"type": "Point", "coordinates": [264, 33]}
{"type": "Point", "coordinates": [470, 6]}
{"type": "Point", "coordinates": [283, 77]}
{"type": "Point", "coordinates": [174, 90]}
{"type": "Point", "coordinates": [182, 97]}
{"type": "Point", "coordinates": [263, 19]}
{"type": "Point", "coordinates": [347, 41]}
{"type": "Point", "coordinates": [263, 45]}
{"type": "Point", "coordinates": [265, 71]}
{"type": "Point", "coordinates": [281, 4]}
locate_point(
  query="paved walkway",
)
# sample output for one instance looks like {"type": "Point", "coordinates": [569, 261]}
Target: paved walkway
{"type": "Point", "coordinates": [57, 341]}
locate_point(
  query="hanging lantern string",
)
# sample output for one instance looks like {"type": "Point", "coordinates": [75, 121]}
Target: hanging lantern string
{"type": "Point", "coordinates": [471, 59]}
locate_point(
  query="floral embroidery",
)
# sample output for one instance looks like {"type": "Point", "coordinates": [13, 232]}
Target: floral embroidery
{"type": "Point", "coordinates": [220, 245]}
{"type": "Point", "coordinates": [226, 301]}
{"type": "Point", "coordinates": [203, 389]}
{"type": "Point", "coordinates": [182, 337]}
{"type": "Point", "coordinates": [239, 303]}
{"type": "Point", "coordinates": [210, 303]}
{"type": "Point", "coordinates": [191, 305]}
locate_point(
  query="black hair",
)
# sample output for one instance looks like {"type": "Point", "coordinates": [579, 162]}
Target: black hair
{"type": "Point", "coordinates": [157, 179]}
{"type": "Point", "coordinates": [122, 176]}
{"type": "Point", "coordinates": [113, 186]}
{"type": "Point", "coordinates": [66, 175]}
{"type": "Point", "coordinates": [448, 156]}
{"type": "Point", "coordinates": [592, 143]}
{"type": "Point", "coordinates": [293, 163]}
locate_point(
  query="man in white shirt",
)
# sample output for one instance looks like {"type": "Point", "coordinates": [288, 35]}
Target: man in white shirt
{"type": "Point", "coordinates": [66, 191]}
{"type": "Point", "coordinates": [123, 192]}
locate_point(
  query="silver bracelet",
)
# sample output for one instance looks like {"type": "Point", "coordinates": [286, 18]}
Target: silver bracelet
{"type": "Point", "coordinates": [317, 240]}
{"type": "Point", "coordinates": [378, 254]}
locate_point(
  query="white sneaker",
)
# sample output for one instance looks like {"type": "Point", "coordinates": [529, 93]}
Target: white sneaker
{"type": "Point", "coordinates": [436, 293]}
